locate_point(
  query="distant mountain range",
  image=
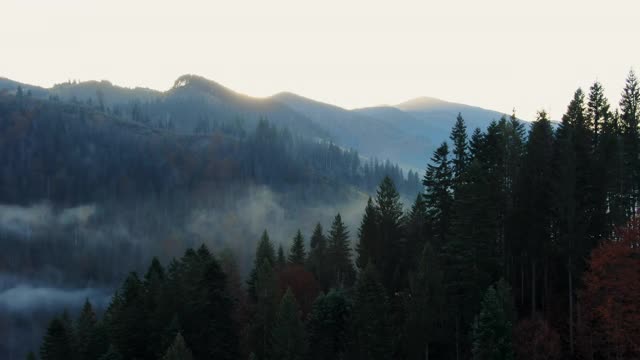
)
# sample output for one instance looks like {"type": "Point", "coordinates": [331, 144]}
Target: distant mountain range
{"type": "Point", "coordinates": [405, 133]}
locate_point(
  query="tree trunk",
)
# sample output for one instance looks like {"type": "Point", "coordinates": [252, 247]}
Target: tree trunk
{"type": "Point", "coordinates": [570, 307]}
{"type": "Point", "coordinates": [426, 351]}
{"type": "Point", "coordinates": [533, 287]}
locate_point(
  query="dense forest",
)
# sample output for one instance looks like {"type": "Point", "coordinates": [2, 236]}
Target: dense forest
{"type": "Point", "coordinates": [524, 243]}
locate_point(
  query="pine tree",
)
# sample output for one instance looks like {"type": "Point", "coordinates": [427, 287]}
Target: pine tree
{"type": "Point", "coordinates": [630, 108]}
{"type": "Point", "coordinates": [178, 350]}
{"type": "Point", "coordinates": [264, 251]}
{"type": "Point", "coordinates": [426, 305]}
{"type": "Point", "coordinates": [492, 327]}
{"type": "Point", "coordinates": [342, 271]}
{"type": "Point", "coordinates": [438, 195]}
{"type": "Point", "coordinates": [86, 347]}
{"type": "Point", "coordinates": [288, 334]}
{"type": "Point", "coordinates": [460, 144]}
{"type": "Point", "coordinates": [328, 326]}
{"type": "Point", "coordinates": [265, 310]}
{"type": "Point", "coordinates": [393, 262]}
{"type": "Point", "coordinates": [297, 254]}
{"type": "Point", "coordinates": [369, 247]}
{"type": "Point", "coordinates": [57, 343]}
{"type": "Point", "coordinates": [281, 260]}
{"type": "Point", "coordinates": [318, 262]}
{"type": "Point", "coordinates": [371, 337]}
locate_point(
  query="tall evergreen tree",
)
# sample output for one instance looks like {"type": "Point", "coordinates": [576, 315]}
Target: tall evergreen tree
{"type": "Point", "coordinates": [281, 260]}
{"type": "Point", "coordinates": [342, 271]}
{"type": "Point", "coordinates": [318, 261]}
{"type": "Point", "coordinates": [460, 148]}
{"type": "Point", "coordinates": [328, 326]}
{"type": "Point", "coordinates": [369, 247]}
{"type": "Point", "coordinates": [264, 251]}
{"type": "Point", "coordinates": [178, 350]}
{"type": "Point", "coordinates": [630, 113]}
{"type": "Point", "coordinates": [493, 326]}
{"type": "Point", "coordinates": [425, 305]}
{"type": "Point", "coordinates": [288, 334]}
{"type": "Point", "coordinates": [438, 195]}
{"type": "Point", "coordinates": [297, 253]}
{"type": "Point", "coordinates": [58, 342]}
{"type": "Point", "coordinates": [265, 310]}
{"type": "Point", "coordinates": [393, 264]}
{"type": "Point", "coordinates": [371, 327]}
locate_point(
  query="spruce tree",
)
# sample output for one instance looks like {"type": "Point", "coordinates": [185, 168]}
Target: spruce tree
{"type": "Point", "coordinates": [630, 113]}
{"type": "Point", "coordinates": [492, 327]}
{"type": "Point", "coordinates": [369, 247]}
{"type": "Point", "coordinates": [297, 253]}
{"type": "Point", "coordinates": [417, 231]}
{"type": "Point", "coordinates": [438, 194]}
{"type": "Point", "coordinates": [178, 350]}
{"type": "Point", "coordinates": [265, 310]}
{"type": "Point", "coordinates": [264, 251]}
{"type": "Point", "coordinates": [281, 260]}
{"type": "Point", "coordinates": [288, 334]}
{"type": "Point", "coordinates": [342, 271]}
{"type": "Point", "coordinates": [318, 261]}
{"type": "Point", "coordinates": [328, 326]}
{"type": "Point", "coordinates": [57, 343]}
{"type": "Point", "coordinates": [372, 337]}
{"type": "Point", "coordinates": [393, 262]}
{"type": "Point", "coordinates": [86, 327]}
{"type": "Point", "coordinates": [460, 144]}
{"type": "Point", "coordinates": [425, 305]}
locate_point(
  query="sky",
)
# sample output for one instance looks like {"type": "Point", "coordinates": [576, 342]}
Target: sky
{"type": "Point", "coordinates": [496, 54]}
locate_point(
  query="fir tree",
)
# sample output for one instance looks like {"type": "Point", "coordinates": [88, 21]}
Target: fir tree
{"type": "Point", "coordinates": [460, 144]}
{"type": "Point", "coordinates": [178, 350]}
{"type": "Point", "coordinates": [58, 342]}
{"type": "Point", "coordinates": [281, 260]}
{"type": "Point", "coordinates": [393, 262]}
{"type": "Point", "coordinates": [328, 326]}
{"type": "Point", "coordinates": [318, 262]}
{"type": "Point", "coordinates": [438, 195]}
{"type": "Point", "coordinates": [630, 112]}
{"type": "Point", "coordinates": [492, 327]}
{"type": "Point", "coordinates": [288, 334]}
{"type": "Point", "coordinates": [297, 253]}
{"type": "Point", "coordinates": [371, 337]}
{"type": "Point", "coordinates": [369, 247]}
{"type": "Point", "coordinates": [264, 251]}
{"type": "Point", "coordinates": [342, 271]}
{"type": "Point", "coordinates": [265, 310]}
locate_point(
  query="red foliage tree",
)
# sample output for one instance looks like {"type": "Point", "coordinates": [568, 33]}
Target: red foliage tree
{"type": "Point", "coordinates": [534, 339]}
{"type": "Point", "coordinates": [610, 302]}
{"type": "Point", "coordinates": [302, 283]}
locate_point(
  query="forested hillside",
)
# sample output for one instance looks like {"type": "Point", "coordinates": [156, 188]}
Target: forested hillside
{"type": "Point", "coordinates": [523, 243]}
{"type": "Point", "coordinates": [88, 194]}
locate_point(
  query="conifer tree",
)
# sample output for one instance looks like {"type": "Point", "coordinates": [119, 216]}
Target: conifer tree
{"type": "Point", "coordinates": [460, 148]}
{"type": "Point", "coordinates": [492, 327]}
{"type": "Point", "coordinates": [342, 271]}
{"type": "Point", "coordinates": [426, 305]}
{"type": "Point", "coordinates": [281, 260]}
{"type": "Point", "coordinates": [393, 262]}
{"type": "Point", "coordinates": [264, 251]}
{"type": "Point", "coordinates": [178, 350]}
{"type": "Point", "coordinates": [111, 354]}
{"type": "Point", "coordinates": [369, 247]}
{"type": "Point", "coordinates": [288, 334]}
{"type": "Point", "coordinates": [371, 337]}
{"type": "Point", "coordinates": [328, 326]}
{"type": "Point", "coordinates": [417, 231]}
{"type": "Point", "coordinates": [57, 343]}
{"type": "Point", "coordinates": [297, 253]}
{"type": "Point", "coordinates": [86, 328]}
{"type": "Point", "coordinates": [318, 262]}
{"type": "Point", "coordinates": [265, 310]}
{"type": "Point", "coordinates": [438, 194]}
{"type": "Point", "coordinates": [630, 113]}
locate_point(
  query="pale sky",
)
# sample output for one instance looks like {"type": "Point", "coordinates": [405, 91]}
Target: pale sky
{"type": "Point", "coordinates": [495, 54]}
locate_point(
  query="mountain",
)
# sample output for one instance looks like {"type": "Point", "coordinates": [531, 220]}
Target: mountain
{"type": "Point", "coordinates": [406, 133]}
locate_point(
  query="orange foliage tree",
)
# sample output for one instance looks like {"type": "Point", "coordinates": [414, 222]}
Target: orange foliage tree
{"type": "Point", "coordinates": [609, 325]}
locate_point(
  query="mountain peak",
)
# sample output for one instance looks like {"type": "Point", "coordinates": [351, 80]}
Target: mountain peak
{"type": "Point", "coordinates": [420, 103]}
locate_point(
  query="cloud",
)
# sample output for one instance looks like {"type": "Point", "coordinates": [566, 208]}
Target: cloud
{"type": "Point", "coordinates": [29, 220]}
{"type": "Point", "coordinates": [26, 298]}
